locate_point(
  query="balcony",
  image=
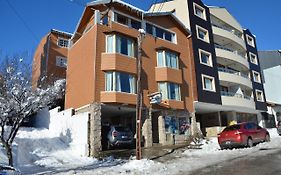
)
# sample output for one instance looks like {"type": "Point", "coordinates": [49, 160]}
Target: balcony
{"type": "Point", "coordinates": [118, 62]}
{"type": "Point", "coordinates": [227, 33]}
{"type": "Point", "coordinates": [168, 74]}
{"type": "Point", "coordinates": [232, 76]}
{"type": "Point", "coordinates": [231, 55]}
{"type": "Point", "coordinates": [234, 99]}
{"type": "Point", "coordinates": [118, 97]}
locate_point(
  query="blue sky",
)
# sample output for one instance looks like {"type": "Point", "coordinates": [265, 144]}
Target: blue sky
{"type": "Point", "coordinates": [25, 22]}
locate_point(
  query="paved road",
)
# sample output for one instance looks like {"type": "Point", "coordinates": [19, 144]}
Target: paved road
{"type": "Point", "coordinates": [269, 164]}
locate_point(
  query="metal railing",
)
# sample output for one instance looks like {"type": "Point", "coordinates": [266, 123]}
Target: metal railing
{"type": "Point", "coordinates": [233, 94]}
{"type": "Point", "coordinates": [229, 50]}
{"type": "Point", "coordinates": [221, 69]}
{"type": "Point", "coordinates": [229, 30]}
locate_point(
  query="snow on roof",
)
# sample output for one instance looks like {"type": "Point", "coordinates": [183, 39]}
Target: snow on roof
{"type": "Point", "coordinates": [61, 32]}
{"type": "Point", "coordinates": [97, 2]}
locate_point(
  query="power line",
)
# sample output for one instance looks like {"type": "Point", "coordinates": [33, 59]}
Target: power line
{"type": "Point", "coordinates": [23, 21]}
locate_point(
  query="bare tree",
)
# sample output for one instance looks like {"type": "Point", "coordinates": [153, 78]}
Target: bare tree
{"type": "Point", "coordinates": [18, 101]}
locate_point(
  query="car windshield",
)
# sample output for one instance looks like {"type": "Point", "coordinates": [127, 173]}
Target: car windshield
{"type": "Point", "coordinates": [122, 129]}
{"type": "Point", "coordinates": [232, 127]}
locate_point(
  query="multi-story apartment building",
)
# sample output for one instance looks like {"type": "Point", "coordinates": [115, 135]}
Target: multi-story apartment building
{"type": "Point", "coordinates": [102, 66]}
{"type": "Point", "coordinates": [50, 58]}
{"type": "Point", "coordinates": [228, 78]}
{"type": "Point", "coordinates": [198, 57]}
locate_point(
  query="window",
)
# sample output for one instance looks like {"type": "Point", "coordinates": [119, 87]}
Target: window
{"type": "Point", "coordinates": [205, 58]}
{"type": "Point", "coordinates": [61, 61]}
{"type": "Point", "coordinates": [62, 42]}
{"type": "Point", "coordinates": [208, 83]}
{"type": "Point", "coordinates": [160, 33]}
{"type": "Point", "coordinates": [202, 34]}
{"type": "Point", "coordinates": [199, 11]}
{"type": "Point", "coordinates": [121, 19]}
{"type": "Point", "coordinates": [135, 24]}
{"type": "Point", "coordinates": [120, 44]}
{"type": "Point", "coordinates": [253, 58]}
{"type": "Point", "coordinates": [259, 95]}
{"type": "Point", "coordinates": [120, 82]}
{"type": "Point", "coordinates": [256, 77]}
{"type": "Point", "coordinates": [176, 125]}
{"type": "Point", "coordinates": [250, 40]}
{"type": "Point", "coordinates": [167, 59]}
{"type": "Point", "coordinates": [149, 28]}
{"type": "Point", "coordinates": [169, 91]}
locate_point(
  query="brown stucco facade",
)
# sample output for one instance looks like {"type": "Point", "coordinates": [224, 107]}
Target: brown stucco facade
{"type": "Point", "coordinates": [88, 62]}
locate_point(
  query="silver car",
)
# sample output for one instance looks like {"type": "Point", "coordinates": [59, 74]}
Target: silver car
{"type": "Point", "coordinates": [278, 126]}
{"type": "Point", "coordinates": [119, 136]}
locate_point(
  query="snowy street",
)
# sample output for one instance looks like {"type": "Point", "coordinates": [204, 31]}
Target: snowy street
{"type": "Point", "coordinates": [40, 153]}
{"type": "Point", "coordinates": [250, 164]}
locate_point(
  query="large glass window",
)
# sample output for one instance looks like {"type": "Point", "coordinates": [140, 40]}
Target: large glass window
{"type": "Point", "coordinates": [120, 82]}
{"type": "Point", "coordinates": [169, 91]}
{"type": "Point", "coordinates": [120, 44]}
{"type": "Point", "coordinates": [176, 125]}
{"type": "Point", "coordinates": [167, 59]}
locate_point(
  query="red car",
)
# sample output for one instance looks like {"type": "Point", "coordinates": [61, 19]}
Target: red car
{"type": "Point", "coordinates": [242, 134]}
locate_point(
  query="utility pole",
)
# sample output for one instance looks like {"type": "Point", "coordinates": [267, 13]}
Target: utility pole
{"type": "Point", "coordinates": [139, 95]}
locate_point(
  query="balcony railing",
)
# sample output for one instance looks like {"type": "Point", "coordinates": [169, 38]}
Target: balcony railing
{"type": "Point", "coordinates": [229, 50]}
{"type": "Point", "coordinates": [221, 69]}
{"type": "Point", "coordinates": [229, 30]}
{"type": "Point", "coordinates": [233, 94]}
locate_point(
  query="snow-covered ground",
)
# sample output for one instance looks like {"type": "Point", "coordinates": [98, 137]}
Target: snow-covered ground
{"type": "Point", "coordinates": [39, 152]}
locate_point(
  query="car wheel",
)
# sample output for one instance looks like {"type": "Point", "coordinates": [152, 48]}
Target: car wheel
{"type": "Point", "coordinates": [267, 138]}
{"type": "Point", "coordinates": [250, 143]}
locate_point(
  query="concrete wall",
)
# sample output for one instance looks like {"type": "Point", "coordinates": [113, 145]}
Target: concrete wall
{"type": "Point", "coordinates": [72, 129]}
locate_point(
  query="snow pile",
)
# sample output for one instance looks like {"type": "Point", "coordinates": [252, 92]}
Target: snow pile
{"type": "Point", "coordinates": [40, 151]}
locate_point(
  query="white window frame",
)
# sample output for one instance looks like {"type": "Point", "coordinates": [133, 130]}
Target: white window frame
{"type": "Point", "coordinates": [114, 45]}
{"type": "Point", "coordinates": [165, 60]}
{"type": "Point", "coordinates": [60, 38]}
{"type": "Point", "coordinates": [262, 96]}
{"type": "Point", "coordinates": [166, 90]}
{"type": "Point", "coordinates": [174, 35]}
{"type": "Point", "coordinates": [207, 39]}
{"type": "Point", "coordinates": [255, 58]}
{"type": "Point", "coordinates": [200, 51]}
{"type": "Point", "coordinates": [114, 83]}
{"type": "Point", "coordinates": [250, 40]}
{"type": "Point", "coordinates": [259, 76]}
{"type": "Point", "coordinates": [61, 61]}
{"type": "Point", "coordinates": [213, 83]}
{"type": "Point", "coordinates": [200, 8]}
